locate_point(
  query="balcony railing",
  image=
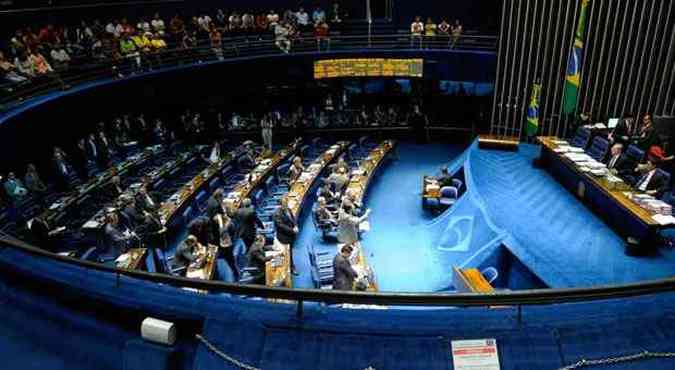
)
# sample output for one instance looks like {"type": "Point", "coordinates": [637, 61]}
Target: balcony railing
{"type": "Point", "coordinates": [90, 70]}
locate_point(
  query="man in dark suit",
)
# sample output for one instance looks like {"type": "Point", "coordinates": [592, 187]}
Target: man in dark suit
{"type": "Point", "coordinates": [624, 130]}
{"type": "Point", "coordinates": [258, 259]}
{"type": "Point", "coordinates": [248, 223]}
{"type": "Point", "coordinates": [343, 273]}
{"type": "Point", "coordinates": [185, 252]}
{"type": "Point", "coordinates": [115, 241]}
{"type": "Point", "coordinates": [214, 206]}
{"type": "Point", "coordinates": [286, 228]}
{"type": "Point", "coordinates": [62, 172]}
{"type": "Point", "coordinates": [444, 179]}
{"type": "Point", "coordinates": [144, 201]}
{"type": "Point", "coordinates": [617, 162]}
{"type": "Point", "coordinates": [93, 152]}
{"type": "Point", "coordinates": [200, 227]}
{"type": "Point", "coordinates": [652, 181]}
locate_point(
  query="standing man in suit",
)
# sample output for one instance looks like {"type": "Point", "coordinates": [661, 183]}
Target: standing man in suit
{"type": "Point", "coordinates": [348, 224]}
{"type": "Point", "coordinates": [116, 241]}
{"type": "Point", "coordinates": [343, 272]}
{"type": "Point", "coordinates": [62, 172]}
{"type": "Point", "coordinates": [248, 223]}
{"type": "Point", "coordinates": [286, 229]}
{"type": "Point", "coordinates": [93, 153]}
{"type": "Point", "coordinates": [214, 206]}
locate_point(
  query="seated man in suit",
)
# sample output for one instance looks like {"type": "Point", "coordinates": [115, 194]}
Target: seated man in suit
{"type": "Point", "coordinates": [247, 160]}
{"type": "Point", "coordinates": [258, 259]}
{"type": "Point", "coordinates": [342, 164]}
{"type": "Point", "coordinates": [187, 253]}
{"type": "Point", "coordinates": [145, 202]}
{"type": "Point", "coordinates": [343, 272]}
{"type": "Point", "coordinates": [330, 197]}
{"type": "Point", "coordinates": [62, 171]}
{"type": "Point", "coordinates": [617, 163]}
{"type": "Point", "coordinates": [357, 207]}
{"type": "Point", "coordinates": [651, 181]}
{"type": "Point", "coordinates": [323, 215]}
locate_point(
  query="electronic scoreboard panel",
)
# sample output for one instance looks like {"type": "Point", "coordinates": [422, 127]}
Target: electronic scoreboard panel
{"type": "Point", "coordinates": [368, 67]}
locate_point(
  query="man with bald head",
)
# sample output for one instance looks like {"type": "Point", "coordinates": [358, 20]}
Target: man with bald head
{"type": "Point", "coordinates": [248, 223]}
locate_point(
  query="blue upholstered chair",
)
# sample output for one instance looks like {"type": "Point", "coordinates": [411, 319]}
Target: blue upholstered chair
{"type": "Point", "coordinates": [634, 154]}
{"type": "Point", "coordinates": [581, 138]}
{"type": "Point", "coordinates": [457, 183]}
{"type": "Point", "coordinates": [598, 149]}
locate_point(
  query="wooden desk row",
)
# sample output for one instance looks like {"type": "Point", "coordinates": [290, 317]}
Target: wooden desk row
{"type": "Point", "coordinates": [184, 196]}
{"type": "Point", "coordinates": [263, 169]}
{"type": "Point", "coordinates": [61, 206]}
{"type": "Point", "coordinates": [163, 172]}
{"type": "Point", "coordinates": [358, 185]}
{"type": "Point", "coordinates": [608, 200]}
{"type": "Point", "coordinates": [470, 280]}
{"type": "Point", "coordinates": [298, 195]}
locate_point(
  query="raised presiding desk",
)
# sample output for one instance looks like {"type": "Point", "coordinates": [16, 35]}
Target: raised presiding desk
{"type": "Point", "coordinates": [278, 270]}
{"type": "Point", "coordinates": [358, 185]}
{"type": "Point", "coordinates": [59, 208]}
{"type": "Point", "coordinates": [629, 212]}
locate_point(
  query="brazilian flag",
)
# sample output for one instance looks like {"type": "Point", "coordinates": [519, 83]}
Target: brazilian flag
{"type": "Point", "coordinates": [573, 77]}
{"type": "Point", "coordinates": [533, 111]}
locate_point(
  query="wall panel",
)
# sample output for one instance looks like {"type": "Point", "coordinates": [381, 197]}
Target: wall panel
{"type": "Point", "coordinates": [628, 64]}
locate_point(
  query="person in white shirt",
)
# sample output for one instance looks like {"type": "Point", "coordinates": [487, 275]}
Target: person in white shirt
{"type": "Point", "coordinates": [158, 24]}
{"type": "Point", "coordinates": [273, 20]}
{"type": "Point", "coordinates": [281, 36]}
{"type": "Point", "coordinates": [416, 30]}
{"type": "Point", "coordinates": [302, 19]}
{"type": "Point", "coordinates": [111, 29]}
{"type": "Point", "coordinates": [60, 57]}
{"type": "Point", "coordinates": [143, 25]}
{"type": "Point", "coordinates": [204, 22]}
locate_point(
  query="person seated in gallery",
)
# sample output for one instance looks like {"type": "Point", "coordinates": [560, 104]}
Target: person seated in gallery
{"type": "Point", "coordinates": [445, 179]}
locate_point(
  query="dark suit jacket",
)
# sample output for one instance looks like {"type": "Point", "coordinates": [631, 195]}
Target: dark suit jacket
{"type": "Point", "coordinates": [284, 224]}
{"type": "Point", "coordinates": [256, 256]}
{"type": "Point", "coordinates": [40, 231]}
{"type": "Point", "coordinates": [248, 223]}
{"type": "Point", "coordinates": [622, 165]}
{"type": "Point", "coordinates": [143, 204]}
{"type": "Point", "coordinates": [343, 273]}
{"type": "Point", "coordinates": [658, 182]}
{"type": "Point", "coordinates": [213, 207]}
{"type": "Point", "coordinates": [184, 255]}
{"type": "Point", "coordinates": [200, 227]}
{"type": "Point", "coordinates": [114, 240]}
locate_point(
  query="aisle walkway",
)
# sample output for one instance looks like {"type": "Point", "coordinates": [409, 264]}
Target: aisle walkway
{"type": "Point", "coordinates": [398, 247]}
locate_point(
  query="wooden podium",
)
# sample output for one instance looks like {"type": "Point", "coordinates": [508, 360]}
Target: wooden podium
{"type": "Point", "coordinates": [498, 142]}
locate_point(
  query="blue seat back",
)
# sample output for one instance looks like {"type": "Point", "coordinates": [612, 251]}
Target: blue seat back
{"type": "Point", "coordinates": [635, 154]}
{"type": "Point", "coordinates": [258, 197]}
{"type": "Point", "coordinates": [449, 192]}
{"type": "Point", "coordinates": [581, 138]}
{"type": "Point", "coordinates": [457, 183]}
{"type": "Point", "coordinates": [665, 174]}
{"type": "Point", "coordinates": [598, 149]}
{"type": "Point", "coordinates": [162, 263]}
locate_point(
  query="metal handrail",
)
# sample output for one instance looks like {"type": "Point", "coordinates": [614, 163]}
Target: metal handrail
{"type": "Point", "coordinates": [234, 47]}
{"type": "Point", "coordinates": [499, 298]}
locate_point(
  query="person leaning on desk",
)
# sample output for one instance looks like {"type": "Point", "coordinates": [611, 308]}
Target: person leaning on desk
{"type": "Point", "coordinates": [186, 253]}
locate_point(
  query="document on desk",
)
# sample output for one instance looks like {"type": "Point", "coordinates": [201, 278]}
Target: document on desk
{"type": "Point", "coordinates": [664, 219]}
{"type": "Point", "coordinates": [475, 354]}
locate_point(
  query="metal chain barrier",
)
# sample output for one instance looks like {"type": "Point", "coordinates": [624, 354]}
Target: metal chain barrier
{"type": "Point", "coordinates": [618, 359]}
{"type": "Point", "coordinates": [223, 355]}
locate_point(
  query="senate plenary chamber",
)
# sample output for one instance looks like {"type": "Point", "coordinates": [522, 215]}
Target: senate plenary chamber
{"type": "Point", "coordinates": [337, 184]}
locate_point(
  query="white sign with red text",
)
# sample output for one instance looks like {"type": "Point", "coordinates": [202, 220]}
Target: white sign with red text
{"type": "Point", "coordinates": [475, 354]}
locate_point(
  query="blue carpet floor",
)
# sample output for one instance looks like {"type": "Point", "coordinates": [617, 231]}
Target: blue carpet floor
{"type": "Point", "coordinates": [551, 232]}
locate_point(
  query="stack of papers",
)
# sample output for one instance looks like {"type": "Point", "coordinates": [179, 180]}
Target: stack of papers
{"type": "Point", "coordinates": [659, 207]}
{"type": "Point", "coordinates": [664, 219]}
